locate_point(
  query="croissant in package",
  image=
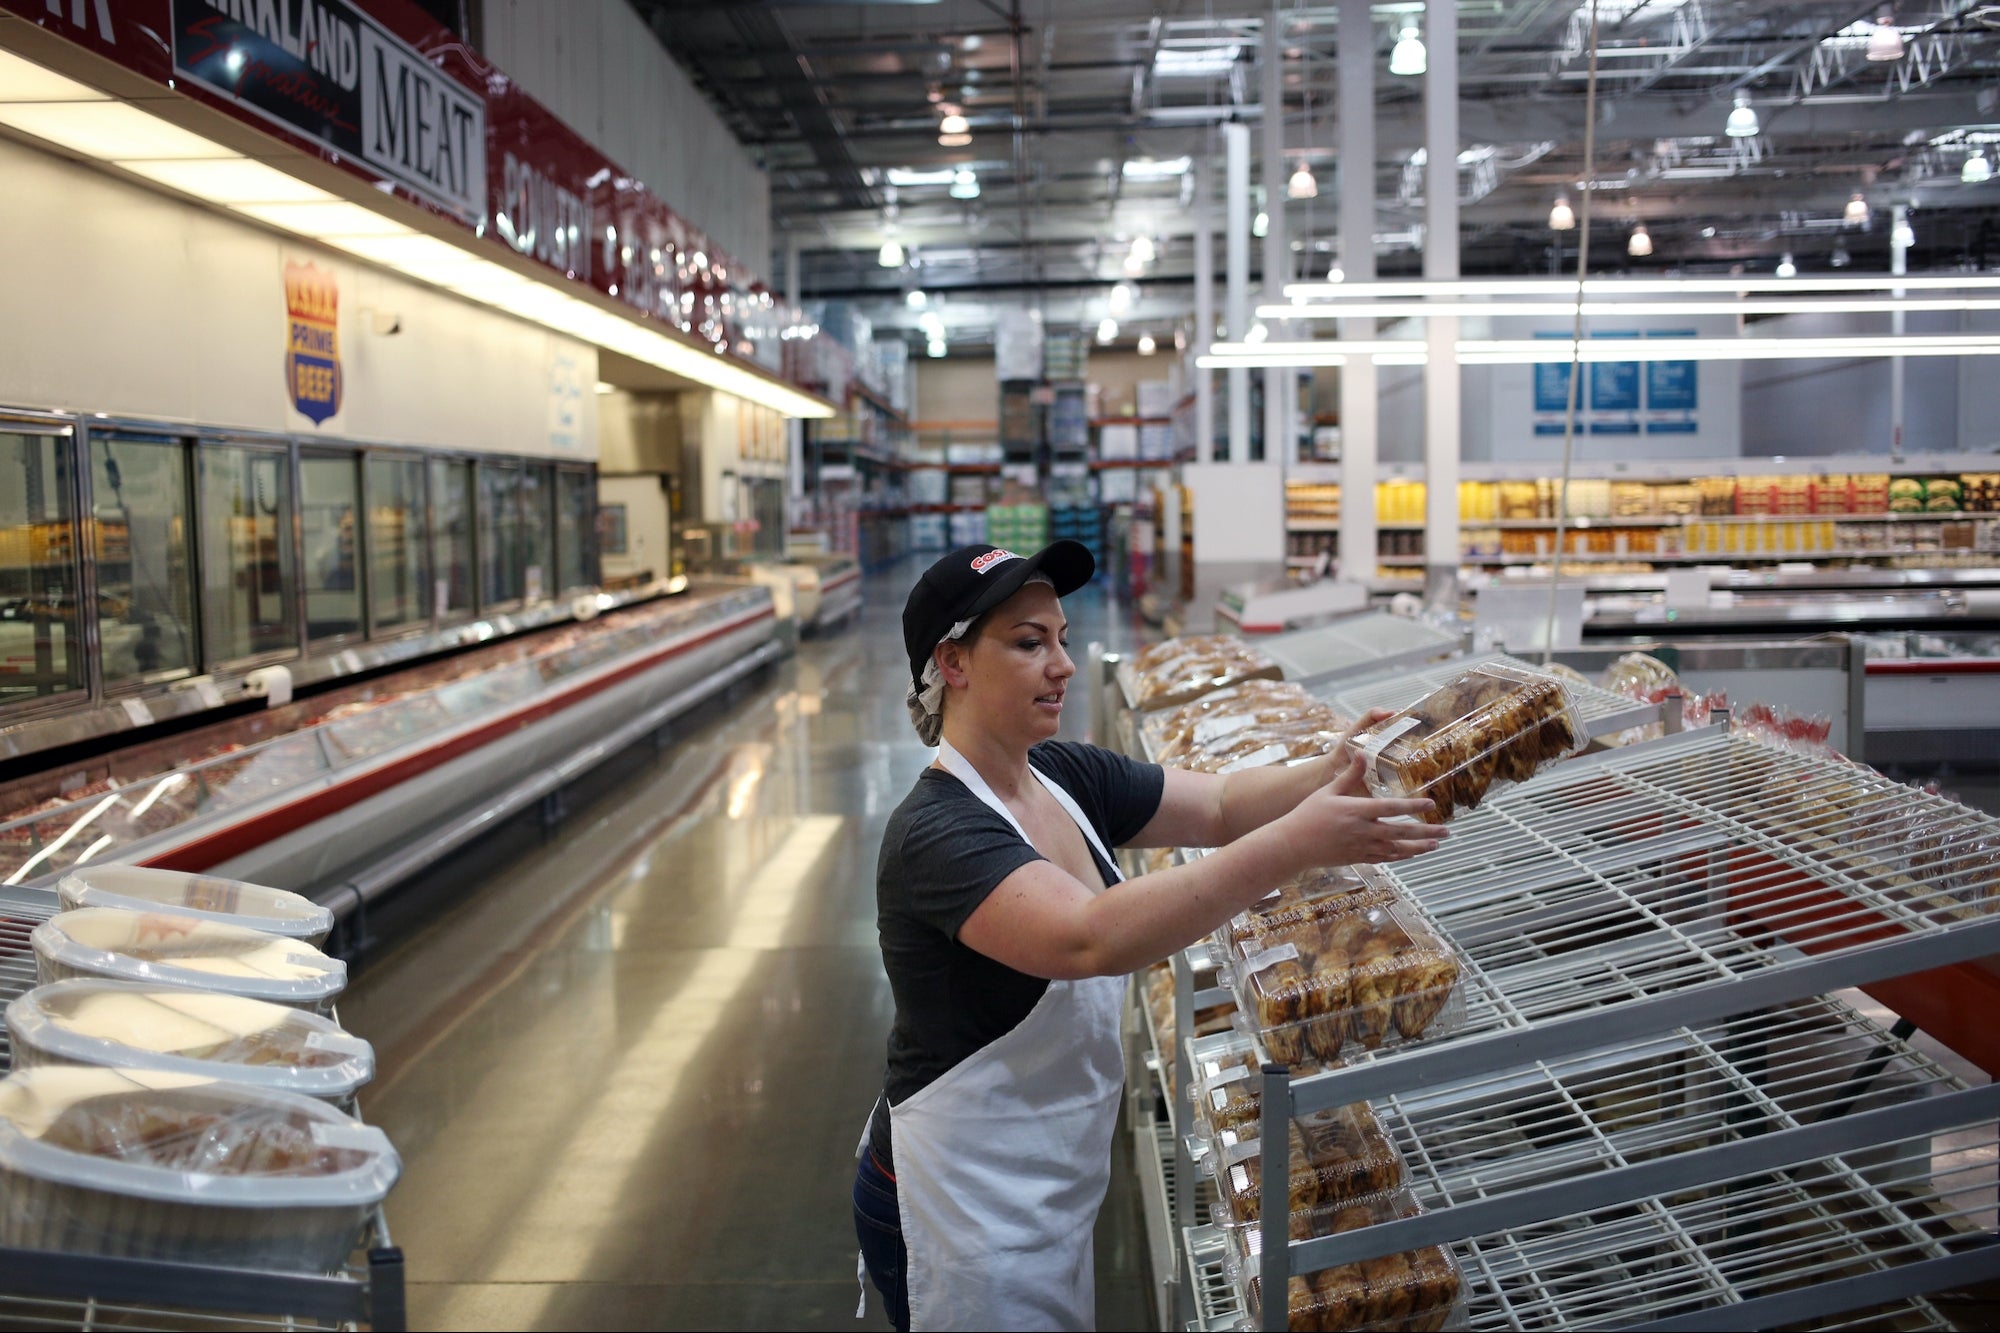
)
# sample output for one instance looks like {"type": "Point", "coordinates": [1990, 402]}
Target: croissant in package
{"type": "Point", "coordinates": [1319, 893]}
{"type": "Point", "coordinates": [1412, 1290]}
{"type": "Point", "coordinates": [1337, 1157]}
{"type": "Point", "coordinates": [1180, 670]}
{"type": "Point", "coordinates": [1175, 727]}
{"type": "Point", "coordinates": [1493, 725]}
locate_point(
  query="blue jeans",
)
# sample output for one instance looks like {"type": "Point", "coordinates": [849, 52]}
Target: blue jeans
{"type": "Point", "coordinates": [878, 1223]}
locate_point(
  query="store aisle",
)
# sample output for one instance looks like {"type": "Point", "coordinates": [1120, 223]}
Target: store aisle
{"type": "Point", "coordinates": [627, 1070]}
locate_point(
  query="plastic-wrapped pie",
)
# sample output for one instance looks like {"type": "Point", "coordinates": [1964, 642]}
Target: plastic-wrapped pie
{"type": "Point", "coordinates": [1337, 1157]}
{"type": "Point", "coordinates": [156, 1165]}
{"type": "Point", "coordinates": [1375, 976]}
{"type": "Point", "coordinates": [1415, 1290]}
{"type": "Point", "coordinates": [186, 951]}
{"type": "Point", "coordinates": [137, 1025]}
{"type": "Point", "coordinates": [208, 897]}
{"type": "Point", "coordinates": [1493, 725]}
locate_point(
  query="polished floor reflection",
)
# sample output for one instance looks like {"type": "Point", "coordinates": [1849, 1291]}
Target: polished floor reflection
{"type": "Point", "coordinates": [628, 1064]}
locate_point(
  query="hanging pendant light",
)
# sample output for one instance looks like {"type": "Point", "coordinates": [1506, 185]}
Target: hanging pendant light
{"type": "Point", "coordinates": [1258, 333]}
{"type": "Point", "coordinates": [1121, 298]}
{"type": "Point", "coordinates": [1144, 250]}
{"type": "Point", "coordinates": [965, 184]}
{"type": "Point", "coordinates": [1886, 42]}
{"type": "Point", "coordinates": [1562, 217]}
{"type": "Point", "coordinates": [1335, 273]}
{"type": "Point", "coordinates": [1107, 329]}
{"type": "Point", "coordinates": [1857, 211]}
{"type": "Point", "coordinates": [936, 347]}
{"type": "Point", "coordinates": [1640, 243]}
{"type": "Point", "coordinates": [1260, 225]}
{"type": "Point", "coordinates": [1977, 170]}
{"type": "Point", "coordinates": [1904, 236]}
{"type": "Point", "coordinates": [1409, 58]}
{"type": "Point", "coordinates": [891, 254]}
{"type": "Point", "coordinates": [1742, 122]}
{"type": "Point", "coordinates": [1146, 344]}
{"type": "Point", "coordinates": [1786, 268]}
{"type": "Point", "coordinates": [955, 123]}
{"type": "Point", "coordinates": [1302, 185]}
{"type": "Point", "coordinates": [916, 298]}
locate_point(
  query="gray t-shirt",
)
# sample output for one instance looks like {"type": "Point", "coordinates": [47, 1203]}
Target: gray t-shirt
{"type": "Point", "coordinates": [943, 852]}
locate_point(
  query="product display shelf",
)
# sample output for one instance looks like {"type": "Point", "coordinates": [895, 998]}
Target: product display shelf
{"type": "Point", "coordinates": [1603, 712]}
{"type": "Point", "coordinates": [41, 1289]}
{"type": "Point", "coordinates": [1652, 909]}
{"type": "Point", "coordinates": [129, 815]}
{"type": "Point", "coordinates": [1368, 642]}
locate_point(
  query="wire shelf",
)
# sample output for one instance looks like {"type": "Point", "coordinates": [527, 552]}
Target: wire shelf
{"type": "Point", "coordinates": [21, 910]}
{"type": "Point", "coordinates": [1603, 712]}
{"type": "Point", "coordinates": [1367, 642]}
{"type": "Point", "coordinates": [37, 1313]}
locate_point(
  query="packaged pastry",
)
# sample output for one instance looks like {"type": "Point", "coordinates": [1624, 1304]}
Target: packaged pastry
{"type": "Point", "coordinates": [1175, 726]}
{"type": "Point", "coordinates": [1225, 725]}
{"type": "Point", "coordinates": [1262, 745]}
{"type": "Point", "coordinates": [1493, 725]}
{"type": "Point", "coordinates": [1180, 670]}
{"type": "Point", "coordinates": [1318, 893]}
{"type": "Point", "coordinates": [137, 1025]}
{"type": "Point", "coordinates": [186, 951]}
{"type": "Point", "coordinates": [1337, 1157]}
{"type": "Point", "coordinates": [209, 897]}
{"type": "Point", "coordinates": [150, 1164]}
{"type": "Point", "coordinates": [1226, 1086]}
{"type": "Point", "coordinates": [1375, 976]}
{"type": "Point", "coordinates": [1417, 1290]}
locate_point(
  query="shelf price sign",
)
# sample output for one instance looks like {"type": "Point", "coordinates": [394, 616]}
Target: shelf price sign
{"type": "Point", "coordinates": [1672, 391]}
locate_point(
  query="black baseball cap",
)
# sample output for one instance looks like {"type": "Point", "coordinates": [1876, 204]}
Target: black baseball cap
{"type": "Point", "coordinates": [973, 580]}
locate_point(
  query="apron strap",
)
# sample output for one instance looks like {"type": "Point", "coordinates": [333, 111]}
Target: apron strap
{"type": "Point", "coordinates": [961, 768]}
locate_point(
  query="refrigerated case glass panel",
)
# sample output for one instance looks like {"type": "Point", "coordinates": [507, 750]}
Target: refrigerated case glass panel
{"type": "Point", "coordinates": [538, 574]}
{"type": "Point", "coordinates": [499, 534]}
{"type": "Point", "coordinates": [143, 515]}
{"type": "Point", "coordinates": [398, 570]}
{"type": "Point", "coordinates": [248, 585]}
{"type": "Point", "coordinates": [41, 652]}
{"type": "Point", "coordinates": [574, 492]}
{"type": "Point", "coordinates": [451, 538]}
{"type": "Point", "coordinates": [329, 510]}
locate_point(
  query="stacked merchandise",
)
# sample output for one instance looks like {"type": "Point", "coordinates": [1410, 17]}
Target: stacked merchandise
{"type": "Point", "coordinates": [1020, 432]}
{"type": "Point", "coordinates": [1069, 421]}
{"type": "Point", "coordinates": [1018, 527]}
{"type": "Point", "coordinates": [179, 1091]}
{"type": "Point", "coordinates": [1073, 511]}
{"type": "Point", "coordinates": [893, 355]}
{"type": "Point", "coordinates": [1064, 356]}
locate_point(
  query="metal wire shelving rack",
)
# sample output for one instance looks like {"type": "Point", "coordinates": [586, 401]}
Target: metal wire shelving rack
{"type": "Point", "coordinates": [41, 1289]}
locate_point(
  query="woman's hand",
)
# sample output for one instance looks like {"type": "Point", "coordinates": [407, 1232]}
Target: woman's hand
{"type": "Point", "coordinates": [1340, 824]}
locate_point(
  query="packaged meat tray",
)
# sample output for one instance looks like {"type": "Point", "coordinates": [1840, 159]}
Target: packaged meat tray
{"type": "Point", "coordinates": [1319, 893]}
{"type": "Point", "coordinates": [1179, 670]}
{"type": "Point", "coordinates": [1420, 1291]}
{"type": "Point", "coordinates": [208, 897]}
{"type": "Point", "coordinates": [1338, 1156]}
{"type": "Point", "coordinates": [1493, 725]}
{"type": "Point", "coordinates": [188, 952]}
{"type": "Point", "coordinates": [136, 1025]}
{"type": "Point", "coordinates": [1374, 977]}
{"type": "Point", "coordinates": [148, 1164]}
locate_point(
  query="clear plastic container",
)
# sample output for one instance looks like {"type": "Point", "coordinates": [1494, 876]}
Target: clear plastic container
{"type": "Point", "coordinates": [154, 1165]}
{"type": "Point", "coordinates": [1262, 744]}
{"type": "Point", "coordinates": [1375, 977]}
{"type": "Point", "coordinates": [1175, 727]}
{"type": "Point", "coordinates": [1179, 670]}
{"type": "Point", "coordinates": [137, 1025]}
{"type": "Point", "coordinates": [1417, 1290]}
{"type": "Point", "coordinates": [137, 889]}
{"type": "Point", "coordinates": [186, 951]}
{"type": "Point", "coordinates": [1339, 1156]}
{"type": "Point", "coordinates": [1313, 896]}
{"type": "Point", "coordinates": [1491, 726]}
{"type": "Point", "coordinates": [1226, 1091]}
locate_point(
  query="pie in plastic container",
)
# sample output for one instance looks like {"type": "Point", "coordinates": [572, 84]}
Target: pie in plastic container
{"type": "Point", "coordinates": [209, 897]}
{"type": "Point", "coordinates": [186, 951]}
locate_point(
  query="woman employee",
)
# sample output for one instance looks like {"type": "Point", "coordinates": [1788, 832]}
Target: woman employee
{"type": "Point", "coordinates": [1007, 932]}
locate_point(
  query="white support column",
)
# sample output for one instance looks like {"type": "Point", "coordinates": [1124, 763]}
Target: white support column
{"type": "Point", "coordinates": [1204, 305]}
{"type": "Point", "coordinates": [1236, 226]}
{"type": "Point", "coordinates": [1899, 264]}
{"type": "Point", "coordinates": [1441, 376]}
{"type": "Point", "coordinates": [1357, 260]}
{"type": "Point", "coordinates": [795, 430]}
{"type": "Point", "coordinates": [1280, 382]}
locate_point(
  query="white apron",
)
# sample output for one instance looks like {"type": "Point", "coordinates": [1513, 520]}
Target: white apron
{"type": "Point", "coordinates": [1002, 1163]}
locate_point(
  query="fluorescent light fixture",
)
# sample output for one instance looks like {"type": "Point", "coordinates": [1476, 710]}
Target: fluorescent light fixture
{"type": "Point", "coordinates": [326, 221]}
{"type": "Point", "coordinates": [25, 81]}
{"type": "Point", "coordinates": [604, 388]}
{"type": "Point", "coordinates": [229, 181]}
{"type": "Point", "coordinates": [1107, 329]}
{"type": "Point", "coordinates": [1415, 289]}
{"type": "Point", "coordinates": [1640, 243]}
{"type": "Point", "coordinates": [1194, 62]}
{"type": "Point", "coordinates": [1561, 216]}
{"type": "Point", "coordinates": [1742, 122]}
{"type": "Point", "coordinates": [108, 131]}
{"type": "Point", "coordinates": [891, 254]}
{"type": "Point", "coordinates": [954, 124]}
{"type": "Point", "coordinates": [1556, 351]}
{"type": "Point", "coordinates": [965, 184]}
{"type": "Point", "coordinates": [935, 347]}
{"type": "Point", "coordinates": [1786, 268]}
{"type": "Point", "coordinates": [1146, 344]}
{"type": "Point", "coordinates": [1258, 333]}
{"type": "Point", "coordinates": [1886, 42]}
{"type": "Point", "coordinates": [1302, 185]}
{"type": "Point", "coordinates": [1851, 305]}
{"type": "Point", "coordinates": [1857, 211]}
{"type": "Point", "coordinates": [1977, 170]}
{"type": "Point", "coordinates": [932, 321]}
{"type": "Point", "coordinates": [1409, 58]}
{"type": "Point", "coordinates": [1154, 169]}
{"type": "Point", "coordinates": [1143, 249]}
{"type": "Point", "coordinates": [915, 298]}
{"type": "Point", "coordinates": [904, 176]}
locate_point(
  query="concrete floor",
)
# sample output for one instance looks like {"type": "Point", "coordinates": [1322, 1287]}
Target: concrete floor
{"type": "Point", "coordinates": [627, 1065]}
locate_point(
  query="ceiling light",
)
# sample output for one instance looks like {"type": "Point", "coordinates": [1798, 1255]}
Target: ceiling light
{"type": "Point", "coordinates": [25, 81]}
{"type": "Point", "coordinates": [1857, 211]}
{"type": "Point", "coordinates": [1840, 258]}
{"type": "Point", "coordinates": [1409, 57]}
{"type": "Point", "coordinates": [954, 124]}
{"type": "Point", "coordinates": [969, 42]}
{"type": "Point", "coordinates": [1143, 249]}
{"type": "Point", "coordinates": [965, 185]}
{"type": "Point", "coordinates": [1977, 170]}
{"type": "Point", "coordinates": [1886, 42]}
{"type": "Point", "coordinates": [229, 181]}
{"type": "Point", "coordinates": [1742, 122]}
{"type": "Point", "coordinates": [954, 140]}
{"type": "Point", "coordinates": [1107, 329]}
{"type": "Point", "coordinates": [1547, 351]}
{"type": "Point", "coordinates": [1625, 308]}
{"type": "Point", "coordinates": [904, 176]}
{"type": "Point", "coordinates": [1302, 185]}
{"type": "Point", "coordinates": [1121, 298]}
{"type": "Point", "coordinates": [1258, 333]}
{"type": "Point", "coordinates": [1904, 236]}
{"type": "Point", "coordinates": [1154, 169]}
{"type": "Point", "coordinates": [915, 298]}
{"type": "Point", "coordinates": [1426, 289]}
{"type": "Point", "coordinates": [1561, 216]}
{"type": "Point", "coordinates": [1184, 62]}
{"type": "Point", "coordinates": [935, 347]}
{"type": "Point", "coordinates": [932, 323]}
{"type": "Point", "coordinates": [1146, 344]}
{"type": "Point", "coordinates": [891, 254]}
{"type": "Point", "coordinates": [1335, 273]}
{"type": "Point", "coordinates": [604, 388]}
{"type": "Point", "coordinates": [1786, 268]}
{"type": "Point", "coordinates": [1260, 225]}
{"type": "Point", "coordinates": [109, 131]}
{"type": "Point", "coordinates": [1640, 243]}
{"type": "Point", "coordinates": [1134, 266]}
{"type": "Point", "coordinates": [325, 220]}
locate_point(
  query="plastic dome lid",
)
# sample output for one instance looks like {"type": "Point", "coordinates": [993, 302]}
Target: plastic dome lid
{"type": "Point", "coordinates": [175, 950]}
{"type": "Point", "coordinates": [209, 897]}
{"type": "Point", "coordinates": [142, 1025]}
